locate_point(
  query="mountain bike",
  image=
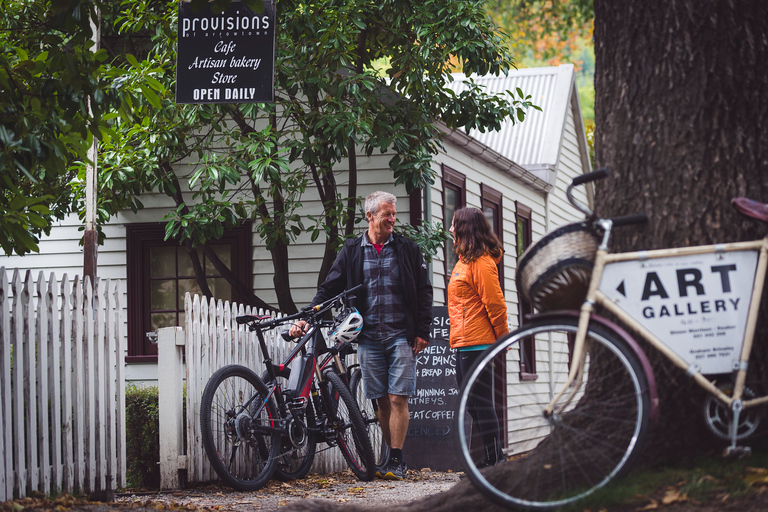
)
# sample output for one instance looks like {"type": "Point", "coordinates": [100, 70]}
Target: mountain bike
{"type": "Point", "coordinates": [256, 427]}
{"type": "Point", "coordinates": [581, 419]}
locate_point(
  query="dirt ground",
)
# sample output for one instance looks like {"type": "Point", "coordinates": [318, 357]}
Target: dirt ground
{"type": "Point", "coordinates": [342, 492]}
{"type": "Point", "coordinates": [339, 488]}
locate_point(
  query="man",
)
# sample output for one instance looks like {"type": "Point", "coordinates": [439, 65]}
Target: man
{"type": "Point", "coordinates": [396, 305]}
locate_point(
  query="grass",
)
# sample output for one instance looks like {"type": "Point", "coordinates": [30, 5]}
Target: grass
{"type": "Point", "coordinates": [705, 479]}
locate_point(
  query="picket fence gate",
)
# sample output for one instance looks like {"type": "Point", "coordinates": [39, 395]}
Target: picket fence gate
{"type": "Point", "coordinates": [62, 386]}
{"type": "Point", "coordinates": [210, 340]}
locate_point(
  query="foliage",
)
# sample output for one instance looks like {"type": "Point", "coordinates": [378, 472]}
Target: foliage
{"type": "Point", "coordinates": [544, 30]}
{"type": "Point", "coordinates": [258, 161]}
{"type": "Point", "coordinates": [429, 237]}
{"type": "Point", "coordinates": [53, 96]}
{"type": "Point", "coordinates": [142, 425]}
{"type": "Point", "coordinates": [551, 33]}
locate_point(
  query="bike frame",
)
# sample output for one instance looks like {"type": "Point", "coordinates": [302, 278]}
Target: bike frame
{"type": "Point", "coordinates": [596, 297]}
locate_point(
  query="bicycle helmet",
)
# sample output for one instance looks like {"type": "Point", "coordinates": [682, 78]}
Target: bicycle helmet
{"type": "Point", "coordinates": [346, 327]}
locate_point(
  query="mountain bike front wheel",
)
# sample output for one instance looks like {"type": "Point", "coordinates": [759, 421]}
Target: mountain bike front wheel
{"type": "Point", "coordinates": [554, 458]}
{"type": "Point", "coordinates": [351, 429]}
{"type": "Point", "coordinates": [371, 417]}
{"type": "Point", "coordinates": [239, 428]}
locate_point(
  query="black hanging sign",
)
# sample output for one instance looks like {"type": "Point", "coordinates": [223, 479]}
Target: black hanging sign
{"type": "Point", "coordinates": [227, 57]}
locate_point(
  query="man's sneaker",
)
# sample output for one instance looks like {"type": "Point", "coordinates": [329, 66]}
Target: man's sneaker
{"type": "Point", "coordinates": [395, 470]}
{"type": "Point", "coordinates": [381, 470]}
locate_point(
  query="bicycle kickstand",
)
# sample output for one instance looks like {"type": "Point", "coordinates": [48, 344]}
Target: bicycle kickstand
{"type": "Point", "coordinates": [734, 451]}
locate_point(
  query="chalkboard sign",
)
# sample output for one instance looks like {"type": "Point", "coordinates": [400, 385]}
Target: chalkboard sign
{"type": "Point", "coordinates": [430, 441]}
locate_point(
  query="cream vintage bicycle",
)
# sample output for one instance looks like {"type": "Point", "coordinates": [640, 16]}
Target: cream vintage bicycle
{"type": "Point", "coordinates": [580, 420]}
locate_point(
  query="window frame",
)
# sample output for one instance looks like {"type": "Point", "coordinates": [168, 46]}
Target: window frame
{"type": "Point", "coordinates": [457, 182]}
{"type": "Point", "coordinates": [492, 198]}
{"type": "Point", "coordinates": [140, 238]}
{"type": "Point", "coordinates": [524, 218]}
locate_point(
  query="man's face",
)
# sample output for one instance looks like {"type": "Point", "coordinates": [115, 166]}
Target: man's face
{"type": "Point", "coordinates": [382, 223]}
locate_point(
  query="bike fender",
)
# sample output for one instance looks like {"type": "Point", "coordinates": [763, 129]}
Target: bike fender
{"type": "Point", "coordinates": [630, 341]}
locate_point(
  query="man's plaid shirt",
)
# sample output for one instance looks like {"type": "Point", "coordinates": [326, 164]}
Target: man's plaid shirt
{"type": "Point", "coordinates": [384, 319]}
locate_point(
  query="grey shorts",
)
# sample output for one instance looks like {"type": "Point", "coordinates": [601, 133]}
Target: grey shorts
{"type": "Point", "coordinates": [388, 368]}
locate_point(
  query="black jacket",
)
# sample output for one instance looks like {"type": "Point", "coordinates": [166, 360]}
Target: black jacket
{"type": "Point", "coordinates": [347, 272]}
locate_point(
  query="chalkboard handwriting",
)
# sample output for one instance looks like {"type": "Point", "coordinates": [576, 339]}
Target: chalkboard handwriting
{"type": "Point", "coordinates": [429, 431]}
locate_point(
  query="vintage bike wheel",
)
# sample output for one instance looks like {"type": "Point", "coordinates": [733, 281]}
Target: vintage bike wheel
{"type": "Point", "coordinates": [371, 417]}
{"type": "Point", "coordinates": [299, 444]}
{"type": "Point", "coordinates": [239, 428]}
{"type": "Point", "coordinates": [351, 429]}
{"type": "Point", "coordinates": [591, 436]}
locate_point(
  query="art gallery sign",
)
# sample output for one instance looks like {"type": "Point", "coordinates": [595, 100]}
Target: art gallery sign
{"type": "Point", "coordinates": [227, 57]}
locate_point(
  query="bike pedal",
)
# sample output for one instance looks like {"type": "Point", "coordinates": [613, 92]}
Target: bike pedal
{"type": "Point", "coordinates": [298, 404]}
{"type": "Point", "coordinates": [737, 452]}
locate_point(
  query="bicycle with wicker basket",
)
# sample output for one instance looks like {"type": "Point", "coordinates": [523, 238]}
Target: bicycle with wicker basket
{"type": "Point", "coordinates": [581, 421]}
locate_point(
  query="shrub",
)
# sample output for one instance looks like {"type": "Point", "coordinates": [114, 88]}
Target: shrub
{"type": "Point", "coordinates": [142, 436]}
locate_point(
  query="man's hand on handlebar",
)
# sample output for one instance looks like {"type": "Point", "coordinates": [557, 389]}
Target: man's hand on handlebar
{"type": "Point", "coordinates": [298, 329]}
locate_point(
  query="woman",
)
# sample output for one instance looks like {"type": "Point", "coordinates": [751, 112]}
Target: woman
{"type": "Point", "coordinates": [478, 316]}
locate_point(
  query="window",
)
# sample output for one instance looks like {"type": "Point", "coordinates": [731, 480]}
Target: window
{"type": "Point", "coordinates": [454, 197]}
{"type": "Point", "coordinates": [491, 201]}
{"type": "Point", "coordinates": [160, 273]}
{"type": "Point", "coordinates": [528, 345]}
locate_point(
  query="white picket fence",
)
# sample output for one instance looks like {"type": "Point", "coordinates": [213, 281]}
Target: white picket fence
{"type": "Point", "coordinates": [211, 339]}
{"type": "Point", "coordinates": [62, 386]}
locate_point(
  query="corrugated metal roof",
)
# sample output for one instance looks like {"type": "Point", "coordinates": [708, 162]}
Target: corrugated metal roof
{"type": "Point", "coordinates": [536, 140]}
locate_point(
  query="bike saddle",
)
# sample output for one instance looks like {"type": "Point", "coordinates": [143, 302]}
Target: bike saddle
{"type": "Point", "coordinates": [751, 208]}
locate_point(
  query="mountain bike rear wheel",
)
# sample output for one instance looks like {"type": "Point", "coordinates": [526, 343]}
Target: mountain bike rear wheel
{"type": "Point", "coordinates": [590, 438]}
{"type": "Point", "coordinates": [351, 429]}
{"type": "Point", "coordinates": [239, 428]}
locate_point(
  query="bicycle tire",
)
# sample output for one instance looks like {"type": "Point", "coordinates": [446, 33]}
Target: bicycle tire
{"type": "Point", "coordinates": [297, 452]}
{"type": "Point", "coordinates": [587, 442]}
{"type": "Point", "coordinates": [351, 429]}
{"type": "Point", "coordinates": [370, 413]}
{"type": "Point", "coordinates": [242, 448]}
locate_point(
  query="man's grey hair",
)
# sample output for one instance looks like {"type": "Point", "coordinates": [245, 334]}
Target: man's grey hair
{"type": "Point", "coordinates": [373, 201]}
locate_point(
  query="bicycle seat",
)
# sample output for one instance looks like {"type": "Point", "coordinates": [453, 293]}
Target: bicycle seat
{"type": "Point", "coordinates": [751, 208]}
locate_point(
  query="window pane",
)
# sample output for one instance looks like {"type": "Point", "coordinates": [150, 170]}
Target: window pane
{"type": "Point", "coordinates": [490, 214]}
{"type": "Point", "coordinates": [220, 288]}
{"type": "Point", "coordinates": [162, 294]}
{"type": "Point", "coordinates": [223, 252]}
{"type": "Point", "coordinates": [185, 263]}
{"type": "Point", "coordinates": [162, 261]}
{"type": "Point", "coordinates": [451, 205]}
{"type": "Point", "coordinates": [188, 285]}
{"type": "Point", "coordinates": [163, 320]}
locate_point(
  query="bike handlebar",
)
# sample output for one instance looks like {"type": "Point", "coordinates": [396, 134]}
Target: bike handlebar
{"type": "Point", "coordinates": [627, 220]}
{"type": "Point", "coordinates": [306, 313]}
{"type": "Point", "coordinates": [591, 176]}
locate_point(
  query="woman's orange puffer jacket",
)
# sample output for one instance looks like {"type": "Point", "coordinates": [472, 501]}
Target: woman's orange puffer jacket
{"type": "Point", "coordinates": [476, 307]}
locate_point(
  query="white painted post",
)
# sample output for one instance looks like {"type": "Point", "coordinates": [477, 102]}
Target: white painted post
{"type": "Point", "coordinates": [170, 364]}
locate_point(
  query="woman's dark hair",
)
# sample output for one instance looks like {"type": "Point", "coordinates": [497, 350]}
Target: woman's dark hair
{"type": "Point", "coordinates": [473, 236]}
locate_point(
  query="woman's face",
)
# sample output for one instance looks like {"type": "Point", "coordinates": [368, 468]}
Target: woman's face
{"type": "Point", "coordinates": [451, 230]}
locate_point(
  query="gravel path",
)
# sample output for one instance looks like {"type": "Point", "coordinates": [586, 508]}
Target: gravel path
{"type": "Point", "coordinates": [340, 487]}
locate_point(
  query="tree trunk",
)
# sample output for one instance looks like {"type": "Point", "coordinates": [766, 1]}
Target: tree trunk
{"type": "Point", "coordinates": [681, 116]}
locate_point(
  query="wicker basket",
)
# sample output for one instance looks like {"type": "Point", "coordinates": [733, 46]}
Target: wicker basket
{"type": "Point", "coordinates": [554, 272]}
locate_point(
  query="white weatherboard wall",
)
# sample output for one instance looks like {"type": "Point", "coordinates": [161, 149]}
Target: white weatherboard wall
{"type": "Point", "coordinates": [531, 162]}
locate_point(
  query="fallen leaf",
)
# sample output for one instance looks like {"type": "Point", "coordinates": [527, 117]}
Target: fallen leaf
{"type": "Point", "coordinates": [653, 505]}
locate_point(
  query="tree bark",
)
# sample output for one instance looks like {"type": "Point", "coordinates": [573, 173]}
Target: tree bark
{"type": "Point", "coordinates": [681, 116]}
